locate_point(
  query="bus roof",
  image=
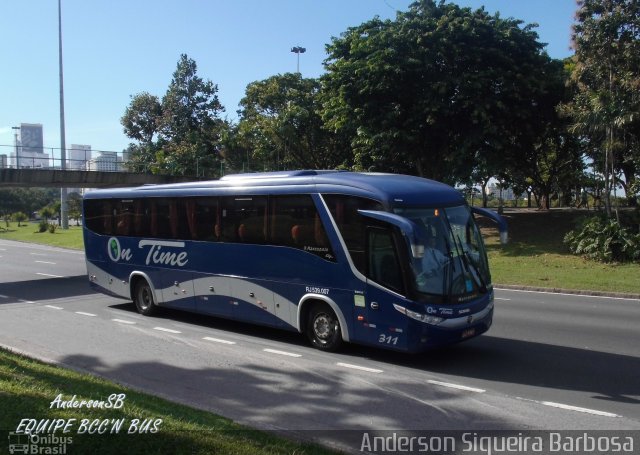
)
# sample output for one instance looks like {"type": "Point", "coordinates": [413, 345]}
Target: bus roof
{"type": "Point", "coordinates": [391, 189]}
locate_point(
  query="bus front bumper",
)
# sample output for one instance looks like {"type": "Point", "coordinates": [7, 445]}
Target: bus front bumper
{"type": "Point", "coordinates": [455, 330]}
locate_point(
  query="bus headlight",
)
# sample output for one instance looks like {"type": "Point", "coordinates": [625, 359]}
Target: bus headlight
{"type": "Point", "coordinates": [427, 319]}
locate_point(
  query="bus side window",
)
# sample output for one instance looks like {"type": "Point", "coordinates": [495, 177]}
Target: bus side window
{"type": "Point", "coordinates": [295, 222]}
{"type": "Point", "coordinates": [107, 220]}
{"type": "Point", "coordinates": [352, 226]}
{"type": "Point", "coordinates": [206, 218]}
{"type": "Point", "coordinates": [244, 219]}
{"type": "Point", "coordinates": [124, 212]}
{"type": "Point", "coordinates": [140, 218]}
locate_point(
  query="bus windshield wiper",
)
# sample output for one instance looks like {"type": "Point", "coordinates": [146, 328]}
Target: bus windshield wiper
{"type": "Point", "coordinates": [475, 273]}
{"type": "Point", "coordinates": [447, 279]}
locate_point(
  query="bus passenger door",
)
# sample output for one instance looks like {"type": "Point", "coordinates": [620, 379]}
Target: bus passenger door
{"type": "Point", "coordinates": [382, 323]}
{"type": "Point", "coordinates": [177, 289]}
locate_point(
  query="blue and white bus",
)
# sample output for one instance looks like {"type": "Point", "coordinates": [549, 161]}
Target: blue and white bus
{"type": "Point", "coordinates": [377, 259]}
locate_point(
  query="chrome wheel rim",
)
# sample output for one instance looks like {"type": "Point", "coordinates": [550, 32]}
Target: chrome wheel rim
{"type": "Point", "coordinates": [323, 327]}
{"type": "Point", "coordinates": [144, 298]}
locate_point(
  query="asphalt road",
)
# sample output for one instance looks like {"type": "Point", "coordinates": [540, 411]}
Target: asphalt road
{"type": "Point", "coordinates": [557, 362]}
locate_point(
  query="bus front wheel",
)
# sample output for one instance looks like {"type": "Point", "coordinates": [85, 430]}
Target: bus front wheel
{"type": "Point", "coordinates": [143, 298]}
{"type": "Point", "coordinates": [323, 328]}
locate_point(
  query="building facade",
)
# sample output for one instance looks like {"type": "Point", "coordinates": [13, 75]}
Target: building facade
{"type": "Point", "coordinates": [105, 162]}
{"type": "Point", "coordinates": [78, 156]}
{"type": "Point", "coordinates": [29, 151]}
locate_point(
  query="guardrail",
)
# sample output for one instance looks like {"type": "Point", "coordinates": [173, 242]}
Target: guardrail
{"type": "Point", "coordinates": [49, 158]}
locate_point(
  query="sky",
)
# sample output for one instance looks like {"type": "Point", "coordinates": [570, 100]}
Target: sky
{"type": "Point", "coordinates": [115, 49]}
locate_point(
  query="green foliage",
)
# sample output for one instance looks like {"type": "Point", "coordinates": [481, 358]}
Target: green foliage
{"type": "Point", "coordinates": [52, 228]}
{"type": "Point", "coordinates": [604, 240]}
{"type": "Point", "coordinates": [20, 217]}
{"type": "Point", "coordinates": [280, 126]}
{"type": "Point", "coordinates": [46, 213]}
{"type": "Point", "coordinates": [141, 118]}
{"type": "Point", "coordinates": [436, 89]}
{"type": "Point", "coordinates": [606, 76]}
{"type": "Point", "coordinates": [74, 207]}
{"type": "Point", "coordinates": [179, 134]}
{"type": "Point", "coordinates": [27, 200]}
{"type": "Point", "coordinates": [43, 226]}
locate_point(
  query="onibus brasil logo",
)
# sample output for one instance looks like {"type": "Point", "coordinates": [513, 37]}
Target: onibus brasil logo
{"type": "Point", "coordinates": [155, 255]}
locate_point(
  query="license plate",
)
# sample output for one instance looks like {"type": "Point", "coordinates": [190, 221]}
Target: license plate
{"type": "Point", "coordinates": [468, 333]}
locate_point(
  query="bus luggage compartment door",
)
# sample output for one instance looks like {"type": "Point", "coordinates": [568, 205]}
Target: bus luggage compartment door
{"type": "Point", "coordinates": [254, 302]}
{"type": "Point", "coordinates": [177, 289]}
{"type": "Point", "coordinates": [213, 295]}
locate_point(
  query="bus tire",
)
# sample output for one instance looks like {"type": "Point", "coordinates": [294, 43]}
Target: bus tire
{"type": "Point", "coordinates": [143, 298]}
{"type": "Point", "coordinates": [323, 328]}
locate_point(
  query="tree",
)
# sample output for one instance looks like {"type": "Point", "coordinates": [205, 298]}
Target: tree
{"type": "Point", "coordinates": [280, 124]}
{"type": "Point", "coordinates": [190, 120]}
{"type": "Point", "coordinates": [436, 89]}
{"type": "Point", "coordinates": [142, 118]}
{"type": "Point", "coordinates": [181, 133]}
{"type": "Point", "coordinates": [20, 217]}
{"type": "Point", "coordinates": [47, 213]}
{"type": "Point", "coordinates": [27, 200]}
{"type": "Point", "coordinates": [141, 122]}
{"type": "Point", "coordinates": [550, 156]}
{"type": "Point", "coordinates": [74, 206]}
{"type": "Point", "coordinates": [606, 71]}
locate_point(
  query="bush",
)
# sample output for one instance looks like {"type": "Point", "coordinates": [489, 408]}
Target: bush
{"type": "Point", "coordinates": [604, 240]}
{"type": "Point", "coordinates": [20, 217]}
{"type": "Point", "coordinates": [52, 228]}
{"type": "Point", "coordinates": [43, 226]}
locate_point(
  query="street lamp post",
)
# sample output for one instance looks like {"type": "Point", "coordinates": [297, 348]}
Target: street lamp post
{"type": "Point", "coordinates": [298, 50]}
{"type": "Point", "coordinates": [64, 213]}
{"type": "Point", "coordinates": [15, 142]}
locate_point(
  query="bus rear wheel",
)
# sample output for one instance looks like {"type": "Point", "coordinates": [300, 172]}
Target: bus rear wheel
{"type": "Point", "coordinates": [323, 328]}
{"type": "Point", "coordinates": [143, 298]}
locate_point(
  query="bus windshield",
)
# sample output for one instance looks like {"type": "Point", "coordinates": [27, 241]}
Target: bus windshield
{"type": "Point", "coordinates": [454, 265]}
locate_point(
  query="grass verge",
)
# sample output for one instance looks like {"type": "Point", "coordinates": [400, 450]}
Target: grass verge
{"type": "Point", "coordinates": [27, 388]}
{"type": "Point", "coordinates": [536, 256]}
{"type": "Point", "coordinates": [64, 238]}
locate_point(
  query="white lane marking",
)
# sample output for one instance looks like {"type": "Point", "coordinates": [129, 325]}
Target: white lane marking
{"type": "Point", "coordinates": [25, 301]}
{"type": "Point", "coordinates": [4, 296]}
{"type": "Point", "coordinates": [358, 367]}
{"type": "Point", "coordinates": [275, 351]}
{"type": "Point", "coordinates": [123, 321]}
{"type": "Point", "coordinates": [54, 307]}
{"type": "Point", "coordinates": [578, 409]}
{"type": "Point", "coordinates": [48, 274]}
{"type": "Point", "coordinates": [456, 386]}
{"type": "Point", "coordinates": [45, 262]}
{"type": "Point", "coordinates": [86, 314]}
{"type": "Point", "coordinates": [218, 340]}
{"type": "Point", "coordinates": [500, 298]}
{"type": "Point", "coordinates": [37, 254]}
{"type": "Point", "coordinates": [568, 295]}
{"type": "Point", "coordinates": [162, 329]}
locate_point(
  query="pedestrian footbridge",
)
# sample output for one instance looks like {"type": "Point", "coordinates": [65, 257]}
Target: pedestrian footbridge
{"type": "Point", "coordinates": [57, 178]}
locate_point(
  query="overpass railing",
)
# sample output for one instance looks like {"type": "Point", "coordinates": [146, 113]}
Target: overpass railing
{"type": "Point", "coordinates": [49, 158]}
